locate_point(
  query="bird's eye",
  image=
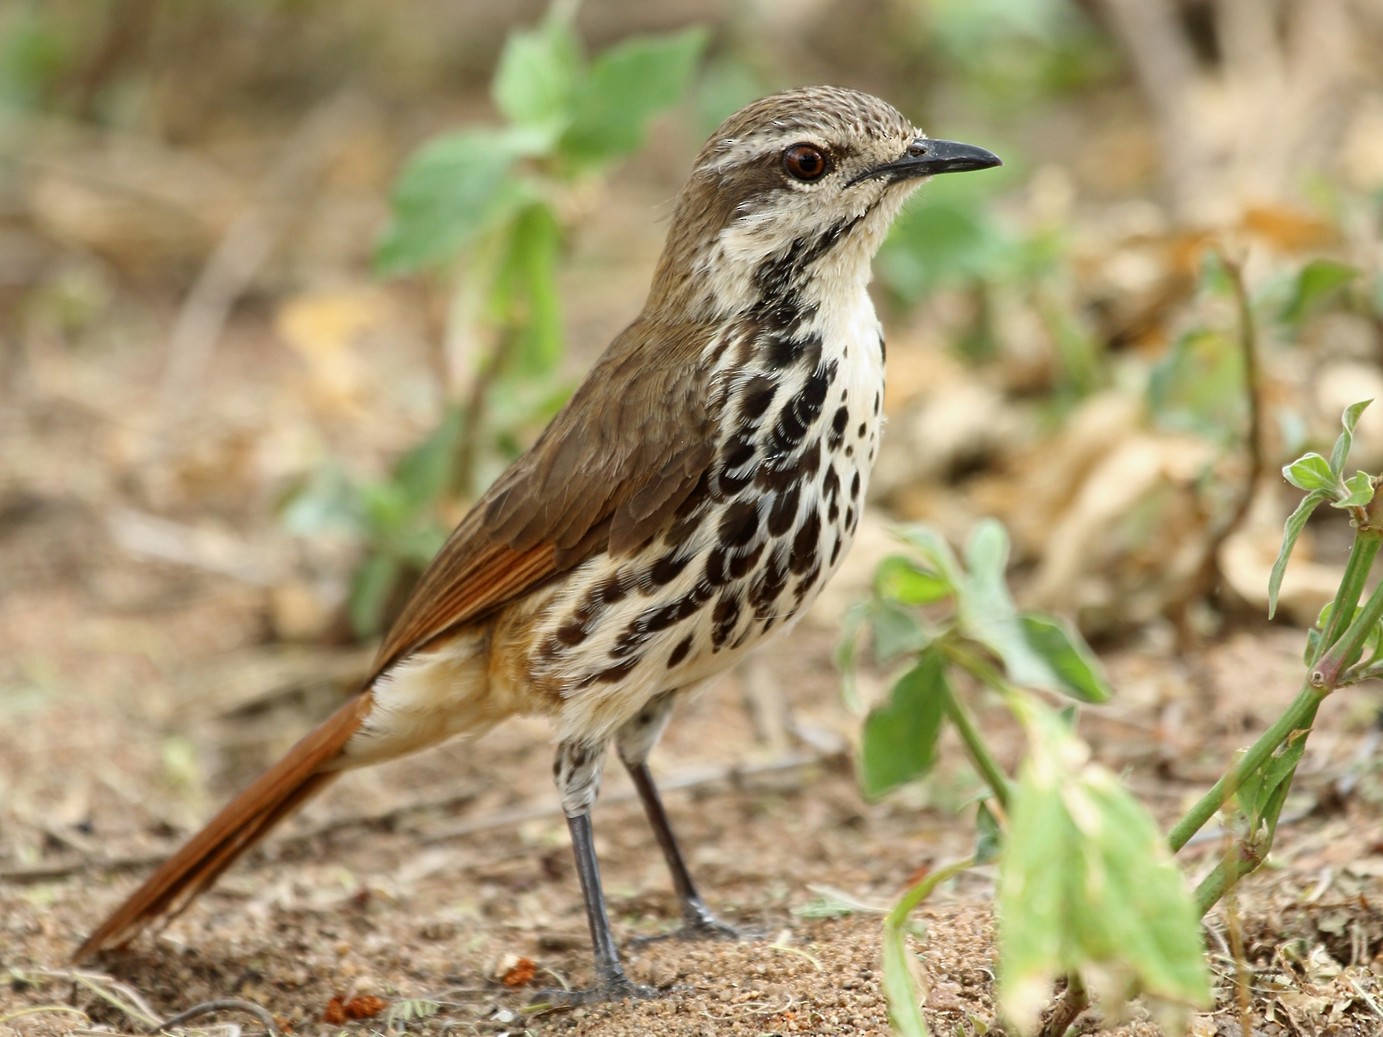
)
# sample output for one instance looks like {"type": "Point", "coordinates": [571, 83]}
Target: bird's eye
{"type": "Point", "coordinates": [806, 162]}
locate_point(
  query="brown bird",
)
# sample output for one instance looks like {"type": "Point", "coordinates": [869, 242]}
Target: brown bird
{"type": "Point", "coordinates": [697, 491]}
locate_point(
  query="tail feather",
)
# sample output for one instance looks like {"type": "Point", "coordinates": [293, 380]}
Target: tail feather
{"type": "Point", "coordinates": [241, 823]}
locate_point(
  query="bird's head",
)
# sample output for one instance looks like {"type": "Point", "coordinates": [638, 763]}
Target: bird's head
{"type": "Point", "coordinates": [804, 182]}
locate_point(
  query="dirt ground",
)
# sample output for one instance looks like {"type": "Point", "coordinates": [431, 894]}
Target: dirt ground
{"type": "Point", "coordinates": [424, 883]}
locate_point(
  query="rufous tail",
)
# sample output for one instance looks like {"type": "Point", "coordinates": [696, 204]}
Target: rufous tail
{"type": "Point", "coordinates": [241, 823]}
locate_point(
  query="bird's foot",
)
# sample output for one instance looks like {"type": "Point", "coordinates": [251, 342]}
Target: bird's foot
{"type": "Point", "coordinates": [612, 988]}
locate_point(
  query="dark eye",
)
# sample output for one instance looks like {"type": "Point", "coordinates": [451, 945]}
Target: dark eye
{"type": "Point", "coordinates": [806, 162]}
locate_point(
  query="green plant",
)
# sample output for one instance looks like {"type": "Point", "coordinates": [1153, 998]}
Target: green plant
{"type": "Point", "coordinates": [1087, 888]}
{"type": "Point", "coordinates": [484, 208]}
{"type": "Point", "coordinates": [1086, 883]}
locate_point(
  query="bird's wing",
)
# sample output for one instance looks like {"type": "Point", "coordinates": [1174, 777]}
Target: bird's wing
{"type": "Point", "coordinates": [608, 473]}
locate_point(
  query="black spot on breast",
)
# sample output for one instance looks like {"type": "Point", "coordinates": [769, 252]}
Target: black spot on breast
{"type": "Point", "coordinates": [736, 467]}
{"type": "Point", "coordinates": [717, 571]}
{"type": "Point", "coordinates": [850, 517]}
{"type": "Point", "coordinates": [572, 632]}
{"type": "Point", "coordinates": [784, 470]}
{"type": "Point", "coordinates": [804, 544]}
{"type": "Point", "coordinates": [679, 653]}
{"type": "Point", "coordinates": [724, 619]}
{"type": "Point", "coordinates": [849, 450]}
{"type": "Point", "coordinates": [769, 583]}
{"type": "Point", "coordinates": [687, 518]}
{"type": "Point", "coordinates": [612, 590]}
{"type": "Point", "coordinates": [726, 563]}
{"type": "Point", "coordinates": [830, 483]}
{"type": "Point", "coordinates": [617, 672]}
{"type": "Point", "coordinates": [757, 397]}
{"type": "Point", "coordinates": [667, 568]}
{"type": "Point", "coordinates": [862, 430]}
{"type": "Point", "coordinates": [664, 616]}
{"type": "Point", "coordinates": [883, 350]}
{"type": "Point", "coordinates": [742, 563]}
{"type": "Point", "coordinates": [835, 550]}
{"type": "Point", "coordinates": [629, 641]}
{"type": "Point", "coordinates": [838, 422]}
{"type": "Point", "coordinates": [855, 487]}
{"type": "Point", "coordinates": [801, 412]}
{"type": "Point", "coordinates": [781, 351]}
{"type": "Point", "coordinates": [784, 510]}
{"type": "Point", "coordinates": [739, 523]}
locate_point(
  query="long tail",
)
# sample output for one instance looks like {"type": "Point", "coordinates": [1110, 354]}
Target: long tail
{"type": "Point", "coordinates": [241, 823]}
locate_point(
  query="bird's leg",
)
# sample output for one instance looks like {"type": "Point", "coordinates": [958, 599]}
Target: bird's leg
{"type": "Point", "coordinates": [577, 772]}
{"type": "Point", "coordinates": [635, 740]}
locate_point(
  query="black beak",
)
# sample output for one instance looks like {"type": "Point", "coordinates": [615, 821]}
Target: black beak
{"type": "Point", "coordinates": [927, 157]}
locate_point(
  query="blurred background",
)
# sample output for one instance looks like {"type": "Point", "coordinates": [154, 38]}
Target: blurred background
{"type": "Point", "coordinates": [285, 283]}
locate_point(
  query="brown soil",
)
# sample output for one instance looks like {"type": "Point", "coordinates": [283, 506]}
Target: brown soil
{"type": "Point", "coordinates": [424, 883]}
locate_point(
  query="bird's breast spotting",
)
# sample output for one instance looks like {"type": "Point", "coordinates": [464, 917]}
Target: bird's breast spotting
{"type": "Point", "coordinates": [753, 543]}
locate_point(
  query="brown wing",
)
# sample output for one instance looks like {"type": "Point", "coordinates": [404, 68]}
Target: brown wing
{"type": "Point", "coordinates": [606, 475]}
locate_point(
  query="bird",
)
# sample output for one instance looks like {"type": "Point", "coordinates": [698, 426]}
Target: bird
{"type": "Point", "coordinates": [692, 497]}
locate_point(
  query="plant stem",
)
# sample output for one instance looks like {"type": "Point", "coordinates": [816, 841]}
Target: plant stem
{"type": "Point", "coordinates": [1073, 1001]}
{"type": "Point", "coordinates": [1299, 716]}
{"type": "Point", "coordinates": [1325, 675]}
{"type": "Point", "coordinates": [1345, 633]}
{"type": "Point", "coordinates": [1225, 875]}
{"type": "Point", "coordinates": [1362, 552]}
{"type": "Point", "coordinates": [983, 759]}
{"type": "Point", "coordinates": [897, 916]}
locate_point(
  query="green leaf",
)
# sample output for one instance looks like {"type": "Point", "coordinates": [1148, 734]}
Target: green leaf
{"type": "Point", "coordinates": [935, 552]}
{"type": "Point", "coordinates": [988, 615]}
{"type": "Point", "coordinates": [627, 85]}
{"type": "Point", "coordinates": [990, 835]}
{"type": "Point", "coordinates": [902, 580]}
{"type": "Point", "coordinates": [901, 987]}
{"type": "Point", "coordinates": [538, 74]}
{"type": "Point", "coordinates": [895, 631]}
{"type": "Point", "coordinates": [1296, 522]}
{"type": "Point", "coordinates": [1067, 656]}
{"type": "Point", "coordinates": [425, 472]}
{"type": "Point", "coordinates": [1360, 487]}
{"type": "Point", "coordinates": [370, 592]}
{"type": "Point", "coordinates": [1087, 886]}
{"type": "Point", "coordinates": [387, 509]}
{"type": "Point", "coordinates": [1317, 282]}
{"type": "Point", "coordinates": [1198, 384]}
{"type": "Point", "coordinates": [851, 628]}
{"type": "Point", "coordinates": [949, 235]}
{"type": "Point", "coordinates": [526, 289]}
{"type": "Point", "coordinates": [454, 187]}
{"type": "Point", "coordinates": [899, 742]}
{"type": "Point", "coordinates": [1311, 472]}
{"type": "Point", "coordinates": [328, 501]}
{"type": "Point", "coordinates": [902, 977]}
{"type": "Point", "coordinates": [1345, 442]}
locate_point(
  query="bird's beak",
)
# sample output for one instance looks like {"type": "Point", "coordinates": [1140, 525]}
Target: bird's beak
{"type": "Point", "coordinates": [928, 157]}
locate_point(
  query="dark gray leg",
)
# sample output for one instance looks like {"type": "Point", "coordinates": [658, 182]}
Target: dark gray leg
{"type": "Point", "coordinates": [577, 771]}
{"type": "Point", "coordinates": [635, 740]}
